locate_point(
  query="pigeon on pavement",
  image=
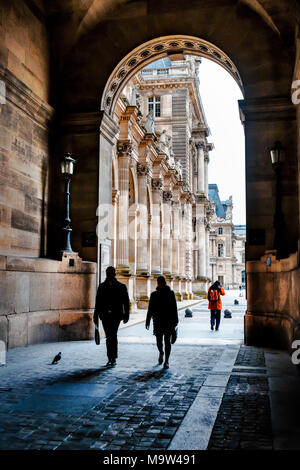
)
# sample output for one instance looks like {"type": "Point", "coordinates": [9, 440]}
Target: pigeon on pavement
{"type": "Point", "coordinates": [57, 358]}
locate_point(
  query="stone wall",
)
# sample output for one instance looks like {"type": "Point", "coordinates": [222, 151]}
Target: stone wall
{"type": "Point", "coordinates": [273, 314]}
{"type": "Point", "coordinates": [24, 131]}
{"type": "Point", "coordinates": [43, 300]}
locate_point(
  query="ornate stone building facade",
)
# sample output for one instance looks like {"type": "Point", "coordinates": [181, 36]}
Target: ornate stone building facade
{"type": "Point", "coordinates": [227, 243]}
{"type": "Point", "coordinates": [160, 181]}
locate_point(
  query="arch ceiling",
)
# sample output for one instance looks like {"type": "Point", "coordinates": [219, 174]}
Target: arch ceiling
{"type": "Point", "coordinates": [93, 36]}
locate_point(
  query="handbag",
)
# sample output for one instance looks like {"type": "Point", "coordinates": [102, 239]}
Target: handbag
{"type": "Point", "coordinates": [174, 335]}
{"type": "Point", "coordinates": [97, 336]}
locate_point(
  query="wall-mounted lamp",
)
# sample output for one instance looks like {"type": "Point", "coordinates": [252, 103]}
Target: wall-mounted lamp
{"type": "Point", "coordinates": [277, 153]}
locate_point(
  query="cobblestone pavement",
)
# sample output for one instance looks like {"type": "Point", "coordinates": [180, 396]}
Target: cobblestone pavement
{"type": "Point", "coordinates": [78, 405]}
{"type": "Point", "coordinates": [215, 395]}
{"type": "Point", "coordinates": [244, 417]}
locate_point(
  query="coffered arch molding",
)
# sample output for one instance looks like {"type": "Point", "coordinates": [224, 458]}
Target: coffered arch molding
{"type": "Point", "coordinates": [156, 49]}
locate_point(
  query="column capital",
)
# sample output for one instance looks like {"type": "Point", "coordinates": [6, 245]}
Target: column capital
{"type": "Point", "coordinates": [142, 170]}
{"type": "Point", "coordinates": [167, 196]}
{"type": "Point", "coordinates": [124, 148]}
{"type": "Point", "coordinates": [200, 145]}
{"type": "Point", "coordinates": [157, 184]}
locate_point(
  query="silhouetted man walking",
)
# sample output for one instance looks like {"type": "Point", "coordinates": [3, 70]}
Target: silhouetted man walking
{"type": "Point", "coordinates": [163, 309]}
{"type": "Point", "coordinates": [112, 306]}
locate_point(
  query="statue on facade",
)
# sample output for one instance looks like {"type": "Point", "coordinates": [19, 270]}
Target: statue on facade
{"type": "Point", "coordinates": [133, 98]}
{"type": "Point", "coordinates": [163, 138]}
{"type": "Point", "coordinates": [149, 125]}
{"type": "Point", "coordinates": [178, 167]}
{"type": "Point", "coordinates": [171, 159]}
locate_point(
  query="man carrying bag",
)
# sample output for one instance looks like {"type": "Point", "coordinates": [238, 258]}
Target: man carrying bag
{"type": "Point", "coordinates": [112, 306]}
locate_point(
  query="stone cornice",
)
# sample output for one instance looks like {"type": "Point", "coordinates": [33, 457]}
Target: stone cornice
{"type": "Point", "coordinates": [270, 108]}
{"type": "Point", "coordinates": [21, 96]}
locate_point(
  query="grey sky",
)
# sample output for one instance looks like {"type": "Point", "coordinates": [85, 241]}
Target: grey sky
{"type": "Point", "coordinates": [219, 93]}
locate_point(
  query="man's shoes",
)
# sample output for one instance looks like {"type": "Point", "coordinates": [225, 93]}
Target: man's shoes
{"type": "Point", "coordinates": [166, 365]}
{"type": "Point", "coordinates": [217, 329]}
{"type": "Point", "coordinates": [111, 362]}
{"type": "Point", "coordinates": [211, 327]}
{"type": "Point", "coordinates": [160, 358]}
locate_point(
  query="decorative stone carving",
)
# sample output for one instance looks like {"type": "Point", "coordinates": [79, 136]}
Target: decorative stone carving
{"type": "Point", "coordinates": [149, 51]}
{"type": "Point", "coordinates": [167, 196]}
{"type": "Point", "coordinates": [156, 184]}
{"type": "Point", "coordinates": [149, 125]}
{"type": "Point", "coordinates": [115, 196]}
{"type": "Point", "coordinates": [124, 148]}
{"type": "Point", "coordinates": [200, 145]}
{"type": "Point", "coordinates": [142, 170]}
{"type": "Point", "coordinates": [178, 168]}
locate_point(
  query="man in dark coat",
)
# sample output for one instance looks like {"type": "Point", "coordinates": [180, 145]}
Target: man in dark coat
{"type": "Point", "coordinates": [112, 306]}
{"type": "Point", "coordinates": [163, 309]}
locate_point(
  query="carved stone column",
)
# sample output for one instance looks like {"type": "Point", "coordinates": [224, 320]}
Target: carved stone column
{"type": "Point", "coordinates": [156, 226]}
{"type": "Point", "coordinates": [115, 198]}
{"type": "Point", "coordinates": [124, 149]}
{"type": "Point", "coordinates": [206, 162]}
{"type": "Point", "coordinates": [167, 242]}
{"type": "Point", "coordinates": [142, 240]}
{"type": "Point", "coordinates": [176, 250]}
{"type": "Point", "coordinates": [201, 239]}
{"type": "Point", "coordinates": [143, 266]}
{"type": "Point", "coordinates": [200, 158]}
{"type": "Point", "coordinates": [207, 229]}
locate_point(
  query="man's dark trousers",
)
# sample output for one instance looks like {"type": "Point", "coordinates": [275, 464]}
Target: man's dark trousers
{"type": "Point", "coordinates": [111, 326]}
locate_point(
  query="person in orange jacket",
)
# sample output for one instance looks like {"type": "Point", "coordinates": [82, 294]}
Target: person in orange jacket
{"type": "Point", "coordinates": [215, 304]}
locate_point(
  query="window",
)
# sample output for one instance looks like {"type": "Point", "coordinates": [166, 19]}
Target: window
{"type": "Point", "coordinates": [162, 71]}
{"type": "Point", "coordinates": [220, 250]}
{"type": "Point", "coordinates": [220, 230]}
{"type": "Point", "coordinates": [243, 257]}
{"type": "Point", "coordinates": [154, 105]}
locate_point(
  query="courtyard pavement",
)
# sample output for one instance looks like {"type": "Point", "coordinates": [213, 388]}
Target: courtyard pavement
{"type": "Point", "coordinates": [217, 394]}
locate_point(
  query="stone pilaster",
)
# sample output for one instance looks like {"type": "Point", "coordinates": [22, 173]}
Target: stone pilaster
{"type": "Point", "coordinates": [124, 149]}
{"type": "Point", "coordinates": [115, 198]}
{"type": "Point", "coordinates": [206, 162]}
{"type": "Point", "coordinates": [142, 240]}
{"type": "Point", "coordinates": [143, 267]}
{"type": "Point", "coordinates": [201, 240]}
{"type": "Point", "coordinates": [167, 242]}
{"type": "Point", "coordinates": [201, 169]}
{"type": "Point", "coordinates": [156, 226]}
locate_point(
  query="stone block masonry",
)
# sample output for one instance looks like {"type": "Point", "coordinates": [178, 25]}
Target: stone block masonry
{"type": "Point", "coordinates": [43, 300]}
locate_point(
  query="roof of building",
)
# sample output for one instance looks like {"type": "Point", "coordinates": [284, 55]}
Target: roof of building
{"type": "Point", "coordinates": [160, 64]}
{"type": "Point", "coordinates": [213, 193]}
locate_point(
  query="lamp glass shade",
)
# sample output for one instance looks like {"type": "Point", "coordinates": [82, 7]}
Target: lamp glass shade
{"type": "Point", "coordinates": [67, 165]}
{"type": "Point", "coordinates": [277, 153]}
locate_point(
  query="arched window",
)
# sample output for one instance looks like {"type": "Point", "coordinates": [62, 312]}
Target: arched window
{"type": "Point", "coordinates": [220, 230]}
{"type": "Point", "coordinates": [154, 105]}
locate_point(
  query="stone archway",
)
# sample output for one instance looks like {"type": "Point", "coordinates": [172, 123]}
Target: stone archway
{"type": "Point", "coordinates": [267, 112]}
{"type": "Point", "coordinates": [156, 49]}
